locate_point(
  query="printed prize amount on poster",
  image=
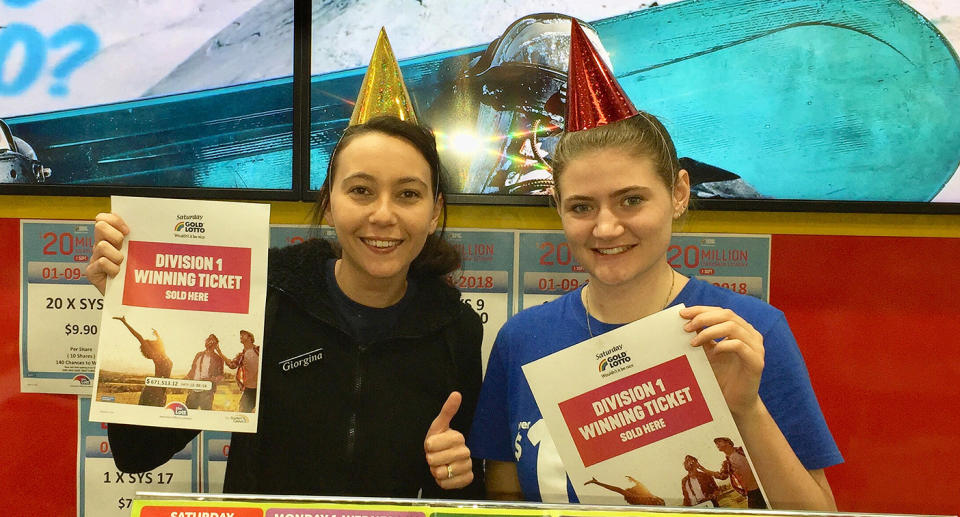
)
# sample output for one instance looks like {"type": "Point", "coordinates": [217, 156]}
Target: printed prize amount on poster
{"type": "Point", "coordinates": [547, 268]}
{"type": "Point", "coordinates": [183, 319]}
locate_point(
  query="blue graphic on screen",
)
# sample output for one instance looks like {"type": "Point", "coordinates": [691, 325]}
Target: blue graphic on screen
{"type": "Point", "coordinates": [237, 136]}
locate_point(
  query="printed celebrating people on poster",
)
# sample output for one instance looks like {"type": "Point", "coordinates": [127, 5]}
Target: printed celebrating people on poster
{"type": "Point", "coordinates": [178, 340]}
{"type": "Point", "coordinates": [638, 418]}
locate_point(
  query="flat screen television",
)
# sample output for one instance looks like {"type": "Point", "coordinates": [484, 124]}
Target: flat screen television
{"type": "Point", "coordinates": [793, 105]}
{"type": "Point", "coordinates": [157, 98]}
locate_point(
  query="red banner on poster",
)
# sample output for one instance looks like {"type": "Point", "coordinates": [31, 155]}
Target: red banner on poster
{"type": "Point", "coordinates": [635, 411]}
{"type": "Point", "coordinates": [186, 276]}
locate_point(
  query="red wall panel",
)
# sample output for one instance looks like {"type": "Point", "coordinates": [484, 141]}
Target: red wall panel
{"type": "Point", "coordinates": [876, 320]}
{"type": "Point", "coordinates": [38, 459]}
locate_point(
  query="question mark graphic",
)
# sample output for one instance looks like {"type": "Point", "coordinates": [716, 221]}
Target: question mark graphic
{"type": "Point", "coordinates": [89, 44]}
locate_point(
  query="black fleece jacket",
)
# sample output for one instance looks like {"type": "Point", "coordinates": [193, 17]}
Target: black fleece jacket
{"type": "Point", "coordinates": [351, 420]}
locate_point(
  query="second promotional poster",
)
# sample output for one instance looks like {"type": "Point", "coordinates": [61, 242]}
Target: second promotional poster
{"type": "Point", "coordinates": [640, 403]}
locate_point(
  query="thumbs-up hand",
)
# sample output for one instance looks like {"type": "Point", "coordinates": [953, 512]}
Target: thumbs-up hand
{"type": "Point", "coordinates": [447, 454]}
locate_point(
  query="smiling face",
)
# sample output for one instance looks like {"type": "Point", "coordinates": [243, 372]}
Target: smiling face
{"type": "Point", "coordinates": [382, 207]}
{"type": "Point", "coordinates": [617, 214]}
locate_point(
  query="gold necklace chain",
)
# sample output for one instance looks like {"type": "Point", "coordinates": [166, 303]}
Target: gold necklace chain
{"type": "Point", "coordinates": [586, 300]}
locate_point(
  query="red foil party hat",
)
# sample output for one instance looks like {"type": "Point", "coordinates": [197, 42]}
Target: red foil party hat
{"type": "Point", "coordinates": [594, 98]}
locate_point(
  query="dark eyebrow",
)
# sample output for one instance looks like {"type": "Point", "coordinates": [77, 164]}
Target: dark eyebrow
{"type": "Point", "coordinates": [366, 176]}
{"type": "Point", "coordinates": [627, 190]}
{"type": "Point", "coordinates": [411, 179]}
{"type": "Point", "coordinates": [615, 194]}
{"type": "Point", "coordinates": [360, 175]}
{"type": "Point", "coordinates": [572, 199]}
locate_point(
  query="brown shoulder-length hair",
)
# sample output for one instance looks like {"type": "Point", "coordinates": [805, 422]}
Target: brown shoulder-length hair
{"type": "Point", "coordinates": [438, 257]}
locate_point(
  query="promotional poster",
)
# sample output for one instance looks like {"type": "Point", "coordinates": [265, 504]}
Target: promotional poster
{"type": "Point", "coordinates": [105, 491]}
{"type": "Point", "coordinates": [545, 268]}
{"type": "Point", "coordinates": [640, 403]}
{"type": "Point", "coordinates": [183, 319]}
{"type": "Point", "coordinates": [60, 309]}
{"type": "Point", "coordinates": [485, 279]}
{"type": "Point", "coordinates": [740, 263]}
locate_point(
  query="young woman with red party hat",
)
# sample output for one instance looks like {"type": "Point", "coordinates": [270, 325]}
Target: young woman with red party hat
{"type": "Point", "coordinates": [619, 189]}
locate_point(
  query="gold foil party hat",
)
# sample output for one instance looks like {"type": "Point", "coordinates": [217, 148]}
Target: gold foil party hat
{"type": "Point", "coordinates": [383, 91]}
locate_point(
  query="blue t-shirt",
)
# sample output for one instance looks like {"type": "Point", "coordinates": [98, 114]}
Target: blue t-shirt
{"type": "Point", "coordinates": [508, 426]}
